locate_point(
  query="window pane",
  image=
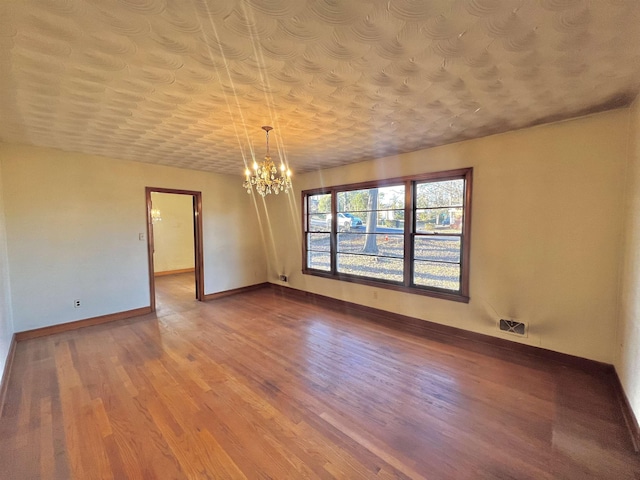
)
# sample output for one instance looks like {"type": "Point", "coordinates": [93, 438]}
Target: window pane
{"type": "Point", "coordinates": [320, 203]}
{"type": "Point", "coordinates": [318, 242]}
{"type": "Point", "coordinates": [440, 249]}
{"type": "Point", "coordinates": [439, 220]}
{"type": "Point", "coordinates": [356, 201]}
{"type": "Point", "coordinates": [434, 274]}
{"type": "Point", "coordinates": [447, 193]}
{"type": "Point", "coordinates": [391, 197]}
{"type": "Point", "coordinates": [346, 222]}
{"type": "Point", "coordinates": [393, 219]}
{"type": "Point", "coordinates": [319, 260]}
{"type": "Point", "coordinates": [371, 266]}
{"type": "Point", "coordinates": [388, 245]}
{"type": "Point", "coordinates": [320, 222]}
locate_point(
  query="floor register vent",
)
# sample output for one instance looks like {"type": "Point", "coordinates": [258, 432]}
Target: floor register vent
{"type": "Point", "coordinates": [511, 326]}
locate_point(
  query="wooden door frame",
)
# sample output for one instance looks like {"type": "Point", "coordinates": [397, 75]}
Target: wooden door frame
{"type": "Point", "coordinates": [197, 240]}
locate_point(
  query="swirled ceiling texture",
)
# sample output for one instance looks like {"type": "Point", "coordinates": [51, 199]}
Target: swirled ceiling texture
{"type": "Point", "coordinates": [189, 83]}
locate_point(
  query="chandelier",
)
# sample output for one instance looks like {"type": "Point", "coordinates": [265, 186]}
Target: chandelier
{"type": "Point", "coordinates": [265, 176]}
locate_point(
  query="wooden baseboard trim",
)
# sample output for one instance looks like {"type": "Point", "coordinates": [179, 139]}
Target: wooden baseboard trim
{"type": "Point", "coordinates": [627, 412]}
{"type": "Point", "coordinates": [87, 322]}
{"type": "Point", "coordinates": [4, 381]}
{"type": "Point", "coordinates": [174, 272]}
{"type": "Point", "coordinates": [471, 340]}
{"type": "Point", "coordinates": [235, 291]}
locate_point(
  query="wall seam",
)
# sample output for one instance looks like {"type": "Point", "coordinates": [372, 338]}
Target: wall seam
{"type": "Point", "coordinates": [619, 310]}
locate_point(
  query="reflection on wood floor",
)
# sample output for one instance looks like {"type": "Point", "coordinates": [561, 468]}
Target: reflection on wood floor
{"type": "Point", "coordinates": [260, 386]}
{"type": "Point", "coordinates": [175, 293]}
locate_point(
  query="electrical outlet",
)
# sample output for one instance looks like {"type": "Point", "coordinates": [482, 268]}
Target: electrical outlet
{"type": "Point", "coordinates": [76, 304]}
{"type": "Point", "coordinates": [283, 278]}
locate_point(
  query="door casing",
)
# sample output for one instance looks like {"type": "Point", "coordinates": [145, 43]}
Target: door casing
{"type": "Point", "coordinates": [197, 240]}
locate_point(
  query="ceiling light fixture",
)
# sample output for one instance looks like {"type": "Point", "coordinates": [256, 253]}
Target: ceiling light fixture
{"type": "Point", "coordinates": [265, 177]}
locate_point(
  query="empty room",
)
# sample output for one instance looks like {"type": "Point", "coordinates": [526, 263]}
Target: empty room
{"type": "Point", "coordinates": [323, 239]}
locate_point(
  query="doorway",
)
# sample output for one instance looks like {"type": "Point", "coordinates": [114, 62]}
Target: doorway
{"type": "Point", "coordinates": [196, 202]}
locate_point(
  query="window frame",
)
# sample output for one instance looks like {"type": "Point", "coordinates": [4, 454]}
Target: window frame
{"type": "Point", "coordinates": [406, 285]}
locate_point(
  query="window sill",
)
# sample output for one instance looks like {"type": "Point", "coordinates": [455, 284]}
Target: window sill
{"type": "Point", "coordinates": [441, 294]}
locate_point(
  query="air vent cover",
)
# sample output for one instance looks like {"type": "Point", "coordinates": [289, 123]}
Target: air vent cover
{"type": "Point", "coordinates": [511, 326]}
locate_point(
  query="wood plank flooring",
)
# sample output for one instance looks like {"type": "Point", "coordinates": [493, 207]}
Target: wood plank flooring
{"type": "Point", "coordinates": [260, 386]}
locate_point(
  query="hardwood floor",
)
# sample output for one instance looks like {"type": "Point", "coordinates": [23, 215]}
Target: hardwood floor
{"type": "Point", "coordinates": [261, 386]}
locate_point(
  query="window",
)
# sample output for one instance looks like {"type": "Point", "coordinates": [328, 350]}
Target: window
{"type": "Point", "coordinates": [409, 234]}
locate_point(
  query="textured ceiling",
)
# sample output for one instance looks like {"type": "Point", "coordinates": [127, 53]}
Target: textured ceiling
{"type": "Point", "coordinates": [189, 83]}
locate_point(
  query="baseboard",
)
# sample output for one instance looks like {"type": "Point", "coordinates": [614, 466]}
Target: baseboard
{"type": "Point", "coordinates": [465, 338]}
{"type": "Point", "coordinates": [627, 412]}
{"type": "Point", "coordinates": [173, 272]}
{"type": "Point", "coordinates": [4, 381]}
{"type": "Point", "coordinates": [235, 291]}
{"type": "Point", "coordinates": [88, 322]}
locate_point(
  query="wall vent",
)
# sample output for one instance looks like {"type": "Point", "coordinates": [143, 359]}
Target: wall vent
{"type": "Point", "coordinates": [511, 326]}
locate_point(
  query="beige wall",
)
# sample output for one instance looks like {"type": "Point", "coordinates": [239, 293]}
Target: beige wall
{"type": "Point", "coordinates": [545, 236]}
{"type": "Point", "coordinates": [628, 358]}
{"type": "Point", "coordinates": [173, 235]}
{"type": "Point", "coordinates": [73, 223]}
{"type": "Point", "coordinates": [6, 321]}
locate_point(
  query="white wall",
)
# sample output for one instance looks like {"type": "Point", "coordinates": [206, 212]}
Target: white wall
{"type": "Point", "coordinates": [73, 222]}
{"type": "Point", "coordinates": [628, 359]}
{"type": "Point", "coordinates": [173, 235]}
{"type": "Point", "coordinates": [545, 235]}
{"type": "Point", "coordinates": [6, 319]}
